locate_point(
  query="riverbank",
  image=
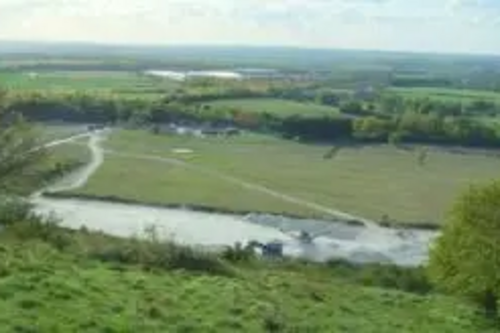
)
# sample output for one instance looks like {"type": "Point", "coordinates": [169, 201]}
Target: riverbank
{"type": "Point", "coordinates": [230, 212]}
{"type": "Point", "coordinates": [186, 207]}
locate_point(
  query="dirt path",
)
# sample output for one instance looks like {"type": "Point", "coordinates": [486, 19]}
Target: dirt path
{"type": "Point", "coordinates": [248, 185]}
{"type": "Point", "coordinates": [78, 178]}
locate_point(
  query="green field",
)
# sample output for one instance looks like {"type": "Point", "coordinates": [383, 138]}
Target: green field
{"type": "Point", "coordinates": [448, 95]}
{"type": "Point", "coordinates": [370, 181]}
{"type": "Point", "coordinates": [276, 107]}
{"type": "Point", "coordinates": [90, 81]}
{"type": "Point", "coordinates": [161, 183]}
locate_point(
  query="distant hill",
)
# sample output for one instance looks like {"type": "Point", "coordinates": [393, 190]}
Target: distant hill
{"type": "Point", "coordinates": [252, 56]}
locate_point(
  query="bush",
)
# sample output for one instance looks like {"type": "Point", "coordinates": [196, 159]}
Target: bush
{"type": "Point", "coordinates": [409, 279]}
{"type": "Point", "coordinates": [14, 210]}
{"type": "Point", "coordinates": [20, 222]}
{"type": "Point", "coordinates": [154, 254]}
{"type": "Point", "coordinates": [44, 230]}
{"type": "Point", "coordinates": [238, 253]}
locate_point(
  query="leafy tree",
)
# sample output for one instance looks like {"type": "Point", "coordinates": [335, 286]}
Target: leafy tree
{"type": "Point", "coordinates": [352, 107]}
{"type": "Point", "coordinates": [481, 107]}
{"type": "Point", "coordinates": [19, 155]}
{"type": "Point", "coordinates": [395, 138]}
{"type": "Point", "coordinates": [465, 259]}
{"type": "Point", "coordinates": [372, 128]}
{"type": "Point", "coordinates": [391, 104]}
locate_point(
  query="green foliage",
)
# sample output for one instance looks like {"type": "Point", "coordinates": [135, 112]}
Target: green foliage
{"type": "Point", "coordinates": [238, 254]}
{"type": "Point", "coordinates": [395, 138]}
{"type": "Point", "coordinates": [353, 108]}
{"type": "Point", "coordinates": [19, 221]}
{"type": "Point", "coordinates": [466, 257]}
{"type": "Point", "coordinates": [152, 253]}
{"type": "Point", "coordinates": [19, 154]}
{"type": "Point", "coordinates": [413, 280]}
{"type": "Point", "coordinates": [13, 210]}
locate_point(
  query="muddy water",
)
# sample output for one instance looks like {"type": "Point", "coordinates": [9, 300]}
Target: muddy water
{"type": "Point", "coordinates": [355, 243]}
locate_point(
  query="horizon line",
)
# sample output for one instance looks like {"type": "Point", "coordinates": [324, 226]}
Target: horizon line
{"type": "Point", "coordinates": [242, 45]}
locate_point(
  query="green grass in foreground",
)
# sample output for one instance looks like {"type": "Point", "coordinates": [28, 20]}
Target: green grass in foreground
{"type": "Point", "coordinates": [53, 281]}
{"type": "Point", "coordinates": [276, 107]}
{"type": "Point", "coordinates": [369, 181]}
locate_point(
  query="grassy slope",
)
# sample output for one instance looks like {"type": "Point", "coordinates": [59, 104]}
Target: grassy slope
{"type": "Point", "coordinates": [276, 106]}
{"type": "Point", "coordinates": [370, 181]}
{"type": "Point", "coordinates": [63, 292]}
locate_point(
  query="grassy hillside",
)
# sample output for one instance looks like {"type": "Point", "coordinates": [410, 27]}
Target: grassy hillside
{"type": "Point", "coordinates": [369, 181]}
{"type": "Point", "coordinates": [58, 281]}
{"type": "Point", "coordinates": [276, 107]}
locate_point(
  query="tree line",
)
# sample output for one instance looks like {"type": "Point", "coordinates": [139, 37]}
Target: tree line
{"type": "Point", "coordinates": [386, 121]}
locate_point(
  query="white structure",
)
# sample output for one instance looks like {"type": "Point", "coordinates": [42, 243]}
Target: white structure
{"type": "Point", "coordinates": [181, 76]}
{"type": "Point", "coordinates": [177, 76]}
{"type": "Point", "coordinates": [216, 74]}
{"type": "Point", "coordinates": [239, 74]}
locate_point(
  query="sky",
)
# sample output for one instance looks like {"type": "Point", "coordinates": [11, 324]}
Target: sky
{"type": "Point", "coordinates": [456, 26]}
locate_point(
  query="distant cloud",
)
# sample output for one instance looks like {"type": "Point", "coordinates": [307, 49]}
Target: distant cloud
{"type": "Point", "coordinates": [430, 25]}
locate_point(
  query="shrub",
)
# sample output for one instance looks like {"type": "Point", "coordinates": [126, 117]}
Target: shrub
{"type": "Point", "coordinates": [153, 253]}
{"type": "Point", "coordinates": [238, 253]}
{"type": "Point", "coordinates": [409, 279]}
{"type": "Point", "coordinates": [20, 222]}
{"type": "Point", "coordinates": [46, 230]}
{"type": "Point", "coordinates": [14, 210]}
